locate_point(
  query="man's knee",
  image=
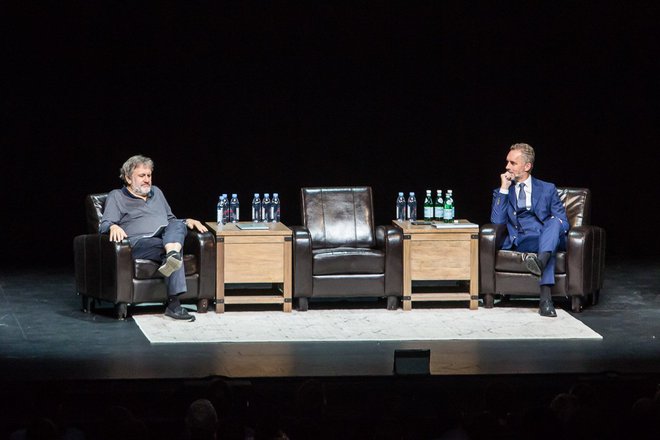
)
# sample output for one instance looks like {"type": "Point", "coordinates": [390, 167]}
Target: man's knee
{"type": "Point", "coordinates": [175, 232]}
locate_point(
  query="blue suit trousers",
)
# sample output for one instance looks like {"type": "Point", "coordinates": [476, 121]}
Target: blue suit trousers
{"type": "Point", "coordinates": [550, 238]}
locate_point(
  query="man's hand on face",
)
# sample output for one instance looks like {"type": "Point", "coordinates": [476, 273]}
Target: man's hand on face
{"type": "Point", "coordinates": [117, 234]}
{"type": "Point", "coordinates": [507, 179]}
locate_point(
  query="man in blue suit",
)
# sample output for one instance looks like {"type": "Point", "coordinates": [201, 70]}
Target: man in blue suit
{"type": "Point", "coordinates": [535, 218]}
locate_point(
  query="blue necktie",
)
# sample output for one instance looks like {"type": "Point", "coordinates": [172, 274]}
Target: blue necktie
{"type": "Point", "coordinates": [522, 202]}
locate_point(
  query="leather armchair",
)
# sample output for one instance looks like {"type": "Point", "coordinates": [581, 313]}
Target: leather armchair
{"type": "Point", "coordinates": [106, 271]}
{"type": "Point", "coordinates": [338, 252]}
{"type": "Point", "coordinates": [579, 270]}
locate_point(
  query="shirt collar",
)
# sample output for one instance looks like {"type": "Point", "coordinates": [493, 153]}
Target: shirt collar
{"type": "Point", "coordinates": [527, 182]}
{"type": "Point", "coordinates": [130, 194]}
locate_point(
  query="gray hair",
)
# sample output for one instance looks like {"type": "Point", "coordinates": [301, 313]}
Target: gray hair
{"type": "Point", "coordinates": [526, 150]}
{"type": "Point", "coordinates": [132, 163]}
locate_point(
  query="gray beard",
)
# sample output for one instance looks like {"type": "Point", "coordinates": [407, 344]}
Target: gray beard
{"type": "Point", "coordinates": [139, 192]}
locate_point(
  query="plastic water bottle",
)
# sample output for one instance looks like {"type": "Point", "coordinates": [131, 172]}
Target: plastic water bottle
{"type": "Point", "coordinates": [428, 206]}
{"type": "Point", "coordinates": [220, 208]}
{"type": "Point", "coordinates": [448, 216]}
{"type": "Point", "coordinates": [411, 207]}
{"type": "Point", "coordinates": [234, 209]}
{"type": "Point", "coordinates": [225, 209]}
{"type": "Point", "coordinates": [265, 208]}
{"type": "Point", "coordinates": [439, 206]}
{"type": "Point", "coordinates": [256, 208]}
{"type": "Point", "coordinates": [401, 207]}
{"type": "Point", "coordinates": [275, 207]}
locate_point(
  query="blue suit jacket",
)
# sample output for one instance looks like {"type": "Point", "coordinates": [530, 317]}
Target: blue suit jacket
{"type": "Point", "coordinates": [545, 205]}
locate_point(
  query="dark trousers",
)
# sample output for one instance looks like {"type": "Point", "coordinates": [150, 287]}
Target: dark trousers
{"type": "Point", "coordinates": [153, 248]}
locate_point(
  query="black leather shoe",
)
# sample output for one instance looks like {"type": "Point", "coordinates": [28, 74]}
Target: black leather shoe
{"type": "Point", "coordinates": [533, 264]}
{"type": "Point", "coordinates": [547, 308]}
{"type": "Point", "coordinates": [179, 313]}
{"type": "Point", "coordinates": [171, 262]}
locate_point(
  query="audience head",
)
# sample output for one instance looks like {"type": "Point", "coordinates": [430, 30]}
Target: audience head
{"type": "Point", "coordinates": [202, 420]}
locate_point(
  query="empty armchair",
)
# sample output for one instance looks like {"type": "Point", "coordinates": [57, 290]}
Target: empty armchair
{"type": "Point", "coordinates": [106, 271]}
{"type": "Point", "coordinates": [338, 252]}
{"type": "Point", "coordinates": [579, 269]}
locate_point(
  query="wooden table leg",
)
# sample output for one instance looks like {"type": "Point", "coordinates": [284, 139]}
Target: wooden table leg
{"type": "Point", "coordinates": [407, 281]}
{"type": "Point", "coordinates": [474, 272]}
{"type": "Point", "coordinates": [287, 274]}
{"type": "Point", "coordinates": [220, 276]}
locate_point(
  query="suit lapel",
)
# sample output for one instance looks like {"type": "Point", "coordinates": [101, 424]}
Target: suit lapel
{"type": "Point", "coordinates": [536, 194]}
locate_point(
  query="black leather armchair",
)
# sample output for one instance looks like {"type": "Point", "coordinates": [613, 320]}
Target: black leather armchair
{"type": "Point", "coordinates": [338, 252]}
{"type": "Point", "coordinates": [106, 270]}
{"type": "Point", "coordinates": [579, 270]}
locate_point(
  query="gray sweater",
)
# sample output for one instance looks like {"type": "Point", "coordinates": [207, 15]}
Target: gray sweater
{"type": "Point", "coordinates": [137, 217]}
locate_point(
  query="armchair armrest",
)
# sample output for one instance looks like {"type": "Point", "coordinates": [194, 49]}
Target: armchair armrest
{"type": "Point", "coordinates": [491, 237]}
{"type": "Point", "coordinates": [302, 262]}
{"type": "Point", "coordinates": [116, 269]}
{"type": "Point", "coordinates": [104, 269]}
{"type": "Point", "coordinates": [390, 240]}
{"type": "Point", "coordinates": [202, 246]}
{"type": "Point", "coordinates": [86, 259]}
{"type": "Point", "coordinates": [585, 258]}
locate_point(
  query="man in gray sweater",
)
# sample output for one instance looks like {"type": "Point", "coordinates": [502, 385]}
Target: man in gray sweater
{"type": "Point", "coordinates": [140, 213]}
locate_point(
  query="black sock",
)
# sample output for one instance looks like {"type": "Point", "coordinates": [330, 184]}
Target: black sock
{"type": "Point", "coordinates": [544, 257]}
{"type": "Point", "coordinates": [546, 294]}
{"type": "Point", "coordinates": [173, 302]}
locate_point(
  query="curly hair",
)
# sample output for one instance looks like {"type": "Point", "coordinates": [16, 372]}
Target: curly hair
{"type": "Point", "coordinates": [132, 163]}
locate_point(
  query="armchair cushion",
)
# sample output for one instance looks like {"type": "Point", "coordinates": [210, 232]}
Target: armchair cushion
{"type": "Point", "coordinates": [511, 261]}
{"type": "Point", "coordinates": [339, 217]}
{"type": "Point", "coordinates": [348, 260]}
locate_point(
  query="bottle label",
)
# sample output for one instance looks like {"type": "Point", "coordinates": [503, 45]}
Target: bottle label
{"type": "Point", "coordinates": [428, 212]}
{"type": "Point", "coordinates": [439, 212]}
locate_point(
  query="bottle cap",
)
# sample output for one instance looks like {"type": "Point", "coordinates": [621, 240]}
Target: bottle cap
{"type": "Point", "coordinates": [256, 195]}
{"type": "Point", "coordinates": [411, 193]}
{"type": "Point", "coordinates": [234, 195]}
{"type": "Point", "coordinates": [400, 193]}
{"type": "Point", "coordinates": [275, 194]}
{"type": "Point", "coordinates": [266, 194]}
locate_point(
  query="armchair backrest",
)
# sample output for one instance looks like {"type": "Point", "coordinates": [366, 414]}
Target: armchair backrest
{"type": "Point", "coordinates": [94, 204]}
{"type": "Point", "coordinates": [578, 205]}
{"type": "Point", "coordinates": [340, 216]}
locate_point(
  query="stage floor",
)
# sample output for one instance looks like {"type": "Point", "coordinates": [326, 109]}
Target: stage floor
{"type": "Point", "coordinates": [44, 335]}
{"type": "Point", "coordinates": [53, 356]}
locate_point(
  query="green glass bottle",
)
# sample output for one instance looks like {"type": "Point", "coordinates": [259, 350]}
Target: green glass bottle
{"type": "Point", "coordinates": [448, 216]}
{"type": "Point", "coordinates": [428, 206]}
{"type": "Point", "coordinates": [439, 213]}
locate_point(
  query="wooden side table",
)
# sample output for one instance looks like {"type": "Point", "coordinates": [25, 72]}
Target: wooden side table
{"type": "Point", "coordinates": [450, 252]}
{"type": "Point", "coordinates": [253, 256]}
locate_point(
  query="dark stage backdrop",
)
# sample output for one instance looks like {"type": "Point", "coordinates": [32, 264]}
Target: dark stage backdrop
{"type": "Point", "coordinates": [273, 96]}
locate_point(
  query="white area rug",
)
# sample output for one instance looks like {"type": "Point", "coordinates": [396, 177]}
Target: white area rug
{"type": "Point", "coordinates": [365, 325]}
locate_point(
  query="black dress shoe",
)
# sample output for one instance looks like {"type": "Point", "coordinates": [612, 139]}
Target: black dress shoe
{"type": "Point", "coordinates": [533, 264]}
{"type": "Point", "coordinates": [179, 313]}
{"type": "Point", "coordinates": [171, 262]}
{"type": "Point", "coordinates": [547, 308]}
